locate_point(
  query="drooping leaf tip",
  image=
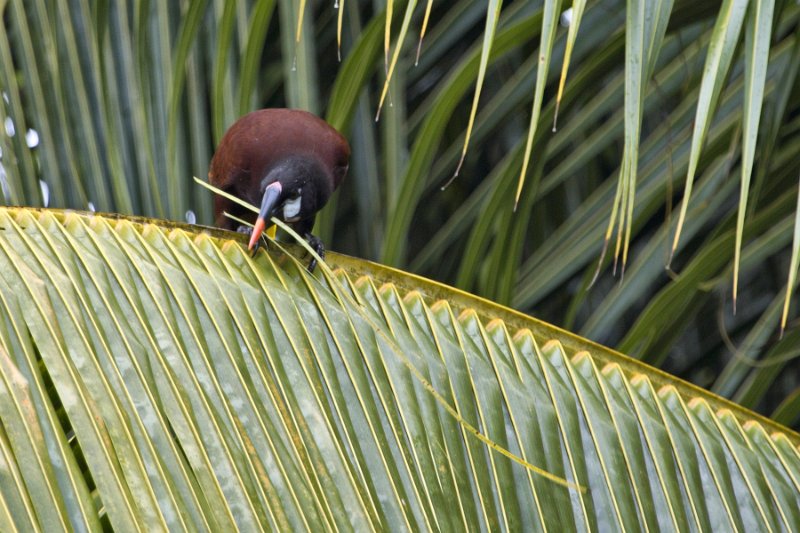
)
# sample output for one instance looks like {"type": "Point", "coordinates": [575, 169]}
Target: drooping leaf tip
{"type": "Point", "coordinates": [555, 116]}
{"type": "Point", "coordinates": [599, 264]}
{"type": "Point", "coordinates": [448, 182]}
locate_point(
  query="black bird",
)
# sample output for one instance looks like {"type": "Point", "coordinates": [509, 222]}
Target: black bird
{"type": "Point", "coordinates": [285, 160]}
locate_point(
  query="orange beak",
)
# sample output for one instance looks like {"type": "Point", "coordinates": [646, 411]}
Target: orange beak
{"type": "Point", "coordinates": [258, 229]}
{"type": "Point", "coordinates": [271, 196]}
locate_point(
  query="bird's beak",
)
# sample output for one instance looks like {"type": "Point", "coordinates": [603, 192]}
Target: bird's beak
{"type": "Point", "coordinates": [271, 195]}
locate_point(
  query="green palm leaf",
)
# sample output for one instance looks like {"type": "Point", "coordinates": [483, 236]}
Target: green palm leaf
{"type": "Point", "coordinates": [155, 376]}
{"type": "Point", "coordinates": [127, 100]}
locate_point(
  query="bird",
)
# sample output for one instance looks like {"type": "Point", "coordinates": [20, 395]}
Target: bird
{"type": "Point", "coordinates": [288, 162]}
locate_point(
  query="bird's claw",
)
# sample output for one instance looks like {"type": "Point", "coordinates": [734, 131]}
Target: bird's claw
{"type": "Point", "coordinates": [316, 244]}
{"type": "Point", "coordinates": [313, 241]}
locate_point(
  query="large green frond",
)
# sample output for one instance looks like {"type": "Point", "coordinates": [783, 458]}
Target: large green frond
{"type": "Point", "coordinates": [156, 376]}
{"type": "Point", "coordinates": [687, 108]}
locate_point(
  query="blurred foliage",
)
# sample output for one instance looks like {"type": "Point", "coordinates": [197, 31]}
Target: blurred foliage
{"type": "Point", "coordinates": [129, 98]}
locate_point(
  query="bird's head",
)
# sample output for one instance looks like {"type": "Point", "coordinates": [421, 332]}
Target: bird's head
{"type": "Point", "coordinates": [294, 189]}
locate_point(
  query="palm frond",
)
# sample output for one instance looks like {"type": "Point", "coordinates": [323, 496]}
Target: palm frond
{"type": "Point", "coordinates": [157, 376]}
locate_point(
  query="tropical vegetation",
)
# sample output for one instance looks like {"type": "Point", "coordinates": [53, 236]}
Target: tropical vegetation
{"type": "Point", "coordinates": [625, 170]}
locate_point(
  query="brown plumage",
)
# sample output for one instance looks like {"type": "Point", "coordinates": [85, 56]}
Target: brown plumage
{"type": "Point", "coordinates": [287, 161]}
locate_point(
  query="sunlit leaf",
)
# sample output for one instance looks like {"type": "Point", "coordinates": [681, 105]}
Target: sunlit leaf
{"type": "Point", "coordinates": [493, 8]}
{"type": "Point", "coordinates": [757, 38]}
{"type": "Point", "coordinates": [209, 389]}
{"type": "Point", "coordinates": [720, 53]}
{"type": "Point", "coordinates": [552, 10]}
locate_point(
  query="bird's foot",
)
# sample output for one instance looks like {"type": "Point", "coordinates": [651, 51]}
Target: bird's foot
{"type": "Point", "coordinates": [316, 244]}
